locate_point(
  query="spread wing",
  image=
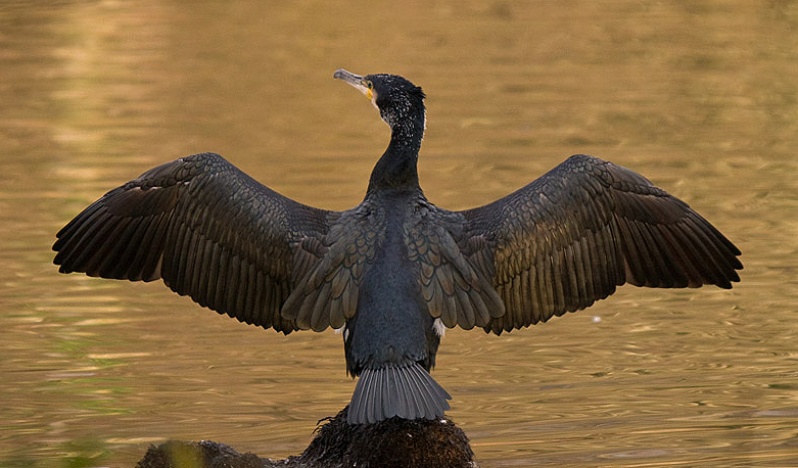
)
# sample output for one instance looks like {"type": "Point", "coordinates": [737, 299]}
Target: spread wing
{"type": "Point", "coordinates": [571, 237]}
{"type": "Point", "coordinates": [204, 227]}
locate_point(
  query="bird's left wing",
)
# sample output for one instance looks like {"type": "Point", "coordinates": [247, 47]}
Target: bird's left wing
{"type": "Point", "coordinates": [569, 238]}
{"type": "Point", "coordinates": [204, 227]}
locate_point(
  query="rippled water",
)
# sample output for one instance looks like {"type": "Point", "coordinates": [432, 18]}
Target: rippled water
{"type": "Point", "coordinates": [700, 97]}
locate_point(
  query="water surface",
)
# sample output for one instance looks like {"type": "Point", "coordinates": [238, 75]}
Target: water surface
{"type": "Point", "coordinates": [701, 98]}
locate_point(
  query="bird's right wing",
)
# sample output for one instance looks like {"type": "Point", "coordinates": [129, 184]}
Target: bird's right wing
{"type": "Point", "coordinates": [204, 227]}
{"type": "Point", "coordinates": [569, 238]}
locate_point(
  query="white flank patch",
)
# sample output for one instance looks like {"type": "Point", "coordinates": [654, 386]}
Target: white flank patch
{"type": "Point", "coordinates": [439, 327]}
{"type": "Point", "coordinates": [343, 330]}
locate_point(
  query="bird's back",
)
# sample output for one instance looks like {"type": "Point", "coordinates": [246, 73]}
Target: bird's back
{"type": "Point", "coordinates": [392, 320]}
{"type": "Point", "coordinates": [391, 341]}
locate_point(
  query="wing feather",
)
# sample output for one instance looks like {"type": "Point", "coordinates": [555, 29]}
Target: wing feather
{"type": "Point", "coordinates": [456, 288]}
{"type": "Point", "coordinates": [204, 227]}
{"type": "Point", "coordinates": [571, 237]}
{"type": "Point", "coordinates": [326, 293]}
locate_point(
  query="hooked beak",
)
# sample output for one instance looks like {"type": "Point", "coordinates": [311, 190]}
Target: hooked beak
{"type": "Point", "coordinates": [356, 81]}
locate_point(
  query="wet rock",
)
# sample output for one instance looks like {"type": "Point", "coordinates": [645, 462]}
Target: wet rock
{"type": "Point", "coordinates": [203, 454]}
{"type": "Point", "coordinates": [391, 443]}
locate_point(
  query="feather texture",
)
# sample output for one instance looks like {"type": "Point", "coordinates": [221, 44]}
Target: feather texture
{"type": "Point", "coordinates": [406, 392]}
{"type": "Point", "coordinates": [394, 268]}
{"type": "Point", "coordinates": [571, 237]}
{"type": "Point", "coordinates": [204, 227]}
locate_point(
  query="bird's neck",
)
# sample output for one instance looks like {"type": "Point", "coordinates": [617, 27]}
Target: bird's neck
{"type": "Point", "coordinates": [398, 166]}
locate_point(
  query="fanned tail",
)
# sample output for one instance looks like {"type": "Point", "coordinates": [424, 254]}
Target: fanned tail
{"type": "Point", "coordinates": [408, 392]}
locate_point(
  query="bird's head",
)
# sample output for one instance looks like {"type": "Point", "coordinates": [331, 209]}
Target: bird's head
{"type": "Point", "coordinates": [399, 101]}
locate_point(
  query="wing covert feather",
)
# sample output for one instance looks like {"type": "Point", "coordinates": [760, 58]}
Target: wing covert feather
{"type": "Point", "coordinates": [326, 288]}
{"type": "Point", "coordinates": [455, 288]}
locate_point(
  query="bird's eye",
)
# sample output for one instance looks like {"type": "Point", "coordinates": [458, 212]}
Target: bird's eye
{"type": "Point", "coordinates": [369, 85]}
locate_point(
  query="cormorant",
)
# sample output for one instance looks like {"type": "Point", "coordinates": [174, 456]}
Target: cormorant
{"type": "Point", "coordinates": [395, 270]}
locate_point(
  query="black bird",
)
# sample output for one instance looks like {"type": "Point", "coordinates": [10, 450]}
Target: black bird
{"type": "Point", "coordinates": [396, 270]}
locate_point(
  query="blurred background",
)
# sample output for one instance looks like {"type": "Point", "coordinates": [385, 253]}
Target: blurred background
{"type": "Point", "coordinates": [700, 97]}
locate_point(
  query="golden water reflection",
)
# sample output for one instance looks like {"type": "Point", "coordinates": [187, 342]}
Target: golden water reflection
{"type": "Point", "coordinates": [701, 98]}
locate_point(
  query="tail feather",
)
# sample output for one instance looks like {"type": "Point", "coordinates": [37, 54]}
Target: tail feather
{"type": "Point", "coordinates": [408, 392]}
